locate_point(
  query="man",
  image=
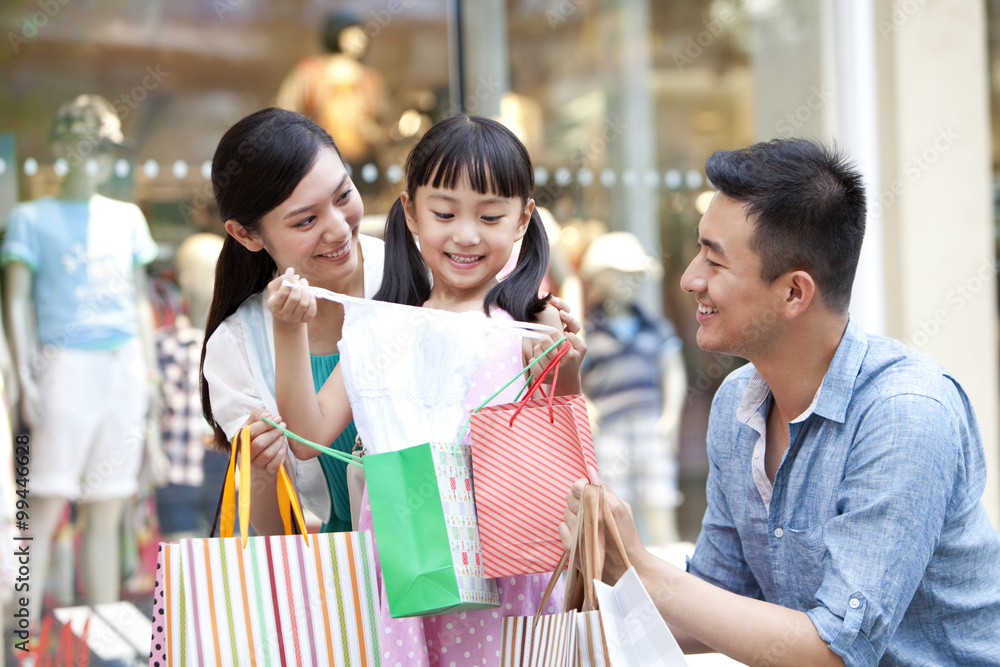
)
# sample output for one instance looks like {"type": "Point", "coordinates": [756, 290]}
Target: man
{"type": "Point", "coordinates": [844, 521]}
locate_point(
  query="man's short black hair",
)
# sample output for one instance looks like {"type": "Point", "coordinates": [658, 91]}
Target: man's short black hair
{"type": "Point", "coordinates": [807, 204]}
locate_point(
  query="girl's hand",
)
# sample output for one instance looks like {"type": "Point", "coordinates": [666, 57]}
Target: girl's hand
{"type": "Point", "coordinates": [568, 381]}
{"type": "Point", "coordinates": [292, 304]}
{"type": "Point", "coordinates": [268, 446]}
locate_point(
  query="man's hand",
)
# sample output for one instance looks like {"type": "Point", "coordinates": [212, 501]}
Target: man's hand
{"type": "Point", "coordinates": [614, 568]}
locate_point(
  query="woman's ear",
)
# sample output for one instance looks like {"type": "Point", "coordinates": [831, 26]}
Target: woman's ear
{"type": "Point", "coordinates": [522, 222]}
{"type": "Point", "coordinates": [239, 232]}
{"type": "Point", "coordinates": [409, 212]}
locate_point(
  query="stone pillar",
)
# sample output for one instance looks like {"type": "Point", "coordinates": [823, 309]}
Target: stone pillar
{"type": "Point", "coordinates": [487, 58]}
{"type": "Point", "coordinates": [935, 197]}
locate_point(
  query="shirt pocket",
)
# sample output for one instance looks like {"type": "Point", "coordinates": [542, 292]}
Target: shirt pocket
{"type": "Point", "coordinates": [807, 555]}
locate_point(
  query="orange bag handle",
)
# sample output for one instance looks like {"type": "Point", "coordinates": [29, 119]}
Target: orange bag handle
{"type": "Point", "coordinates": [288, 502]}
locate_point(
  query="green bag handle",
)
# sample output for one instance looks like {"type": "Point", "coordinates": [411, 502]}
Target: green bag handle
{"type": "Point", "coordinates": [335, 453]}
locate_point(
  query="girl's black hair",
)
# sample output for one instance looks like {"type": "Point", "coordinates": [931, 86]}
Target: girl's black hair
{"type": "Point", "coordinates": [496, 162]}
{"type": "Point", "coordinates": [257, 165]}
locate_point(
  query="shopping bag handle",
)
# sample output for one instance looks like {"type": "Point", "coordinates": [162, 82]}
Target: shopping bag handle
{"type": "Point", "coordinates": [329, 451]}
{"type": "Point", "coordinates": [588, 539]}
{"type": "Point", "coordinates": [554, 367]}
{"type": "Point", "coordinates": [288, 502]}
{"type": "Point", "coordinates": [509, 382]}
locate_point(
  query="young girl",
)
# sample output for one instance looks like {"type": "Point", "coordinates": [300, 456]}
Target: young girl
{"type": "Point", "coordinates": [469, 182]}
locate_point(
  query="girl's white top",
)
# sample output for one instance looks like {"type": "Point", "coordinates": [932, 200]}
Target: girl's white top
{"type": "Point", "coordinates": [407, 370]}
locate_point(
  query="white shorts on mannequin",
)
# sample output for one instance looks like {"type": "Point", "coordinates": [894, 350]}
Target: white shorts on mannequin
{"type": "Point", "coordinates": [90, 445]}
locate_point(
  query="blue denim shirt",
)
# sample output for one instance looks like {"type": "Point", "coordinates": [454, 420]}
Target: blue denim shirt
{"type": "Point", "coordinates": [876, 527]}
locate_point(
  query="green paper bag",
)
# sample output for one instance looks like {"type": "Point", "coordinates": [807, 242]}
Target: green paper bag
{"type": "Point", "coordinates": [426, 531]}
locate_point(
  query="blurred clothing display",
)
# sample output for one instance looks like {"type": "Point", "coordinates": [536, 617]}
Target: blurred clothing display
{"type": "Point", "coordinates": [82, 254]}
{"type": "Point", "coordinates": [185, 506]}
{"type": "Point", "coordinates": [79, 317]}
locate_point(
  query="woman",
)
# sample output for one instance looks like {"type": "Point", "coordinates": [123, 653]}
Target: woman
{"type": "Point", "coordinates": [287, 201]}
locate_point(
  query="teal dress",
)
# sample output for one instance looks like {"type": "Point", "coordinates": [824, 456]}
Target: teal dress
{"type": "Point", "coordinates": [335, 470]}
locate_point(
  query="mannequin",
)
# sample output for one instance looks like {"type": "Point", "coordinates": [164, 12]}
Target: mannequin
{"type": "Point", "coordinates": [338, 92]}
{"type": "Point", "coordinates": [80, 319]}
{"type": "Point", "coordinates": [186, 504]}
{"type": "Point", "coordinates": [635, 379]}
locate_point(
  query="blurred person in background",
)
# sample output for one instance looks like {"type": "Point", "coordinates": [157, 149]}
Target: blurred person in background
{"type": "Point", "coordinates": [82, 342]}
{"type": "Point", "coordinates": [634, 378]}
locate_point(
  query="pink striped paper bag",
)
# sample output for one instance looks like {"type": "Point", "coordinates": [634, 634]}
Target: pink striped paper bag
{"type": "Point", "coordinates": [521, 474]}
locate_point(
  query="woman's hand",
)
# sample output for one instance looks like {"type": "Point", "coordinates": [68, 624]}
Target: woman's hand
{"type": "Point", "coordinates": [568, 382]}
{"type": "Point", "coordinates": [268, 446]}
{"type": "Point", "coordinates": [293, 304]}
{"type": "Point", "coordinates": [569, 322]}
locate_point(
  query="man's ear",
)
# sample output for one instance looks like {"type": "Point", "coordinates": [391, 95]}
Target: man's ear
{"type": "Point", "coordinates": [799, 290]}
{"type": "Point", "coordinates": [409, 211]}
{"type": "Point", "coordinates": [522, 222]}
{"type": "Point", "coordinates": [239, 232]}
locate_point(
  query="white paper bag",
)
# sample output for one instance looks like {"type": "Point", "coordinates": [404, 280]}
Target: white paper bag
{"type": "Point", "coordinates": [636, 634]}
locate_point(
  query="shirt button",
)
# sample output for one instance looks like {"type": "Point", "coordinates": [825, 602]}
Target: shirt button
{"type": "Point", "coordinates": [855, 603]}
{"type": "Point", "coordinates": [778, 532]}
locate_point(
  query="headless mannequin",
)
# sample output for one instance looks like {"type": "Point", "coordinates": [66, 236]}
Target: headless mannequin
{"type": "Point", "coordinates": [101, 519]}
{"type": "Point", "coordinates": [195, 263]}
{"type": "Point", "coordinates": [616, 291]}
{"type": "Point", "coordinates": [339, 92]}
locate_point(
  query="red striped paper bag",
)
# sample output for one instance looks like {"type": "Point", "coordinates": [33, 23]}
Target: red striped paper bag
{"type": "Point", "coordinates": [521, 474]}
{"type": "Point", "coordinates": [276, 602]}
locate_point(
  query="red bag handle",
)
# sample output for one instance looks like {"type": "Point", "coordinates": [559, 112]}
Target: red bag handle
{"type": "Point", "coordinates": [554, 368]}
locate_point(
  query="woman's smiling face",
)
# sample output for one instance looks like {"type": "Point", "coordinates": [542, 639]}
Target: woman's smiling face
{"type": "Point", "coordinates": [315, 230]}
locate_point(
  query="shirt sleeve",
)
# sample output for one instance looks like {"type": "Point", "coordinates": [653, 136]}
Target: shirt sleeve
{"type": "Point", "coordinates": [234, 395]}
{"type": "Point", "coordinates": [231, 386]}
{"type": "Point", "coordinates": [144, 247]}
{"type": "Point", "coordinates": [897, 485]}
{"type": "Point", "coordinates": [718, 556]}
{"type": "Point", "coordinates": [20, 243]}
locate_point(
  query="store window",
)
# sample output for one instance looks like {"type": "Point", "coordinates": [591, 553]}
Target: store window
{"type": "Point", "coordinates": [620, 104]}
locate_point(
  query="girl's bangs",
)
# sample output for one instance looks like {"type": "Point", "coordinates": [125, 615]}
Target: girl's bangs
{"type": "Point", "coordinates": [490, 164]}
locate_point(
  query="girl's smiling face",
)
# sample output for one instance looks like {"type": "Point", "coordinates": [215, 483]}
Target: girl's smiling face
{"type": "Point", "coordinates": [465, 237]}
{"type": "Point", "coordinates": [315, 230]}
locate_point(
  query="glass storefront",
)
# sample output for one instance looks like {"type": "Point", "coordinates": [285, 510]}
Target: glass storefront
{"type": "Point", "coordinates": [619, 102]}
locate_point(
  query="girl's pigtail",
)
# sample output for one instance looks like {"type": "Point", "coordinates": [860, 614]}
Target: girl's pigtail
{"type": "Point", "coordinates": [405, 276]}
{"type": "Point", "coordinates": [518, 292]}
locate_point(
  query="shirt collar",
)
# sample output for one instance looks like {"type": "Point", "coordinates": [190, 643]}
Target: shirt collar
{"type": "Point", "coordinates": [835, 391]}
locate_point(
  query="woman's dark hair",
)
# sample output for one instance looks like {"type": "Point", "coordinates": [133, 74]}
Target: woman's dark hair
{"type": "Point", "coordinates": [807, 206]}
{"type": "Point", "coordinates": [257, 165]}
{"type": "Point", "coordinates": [496, 162]}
